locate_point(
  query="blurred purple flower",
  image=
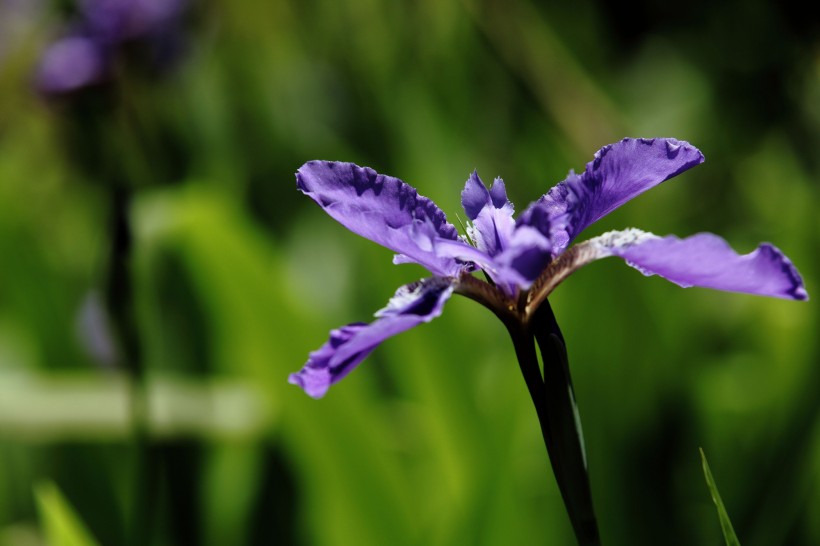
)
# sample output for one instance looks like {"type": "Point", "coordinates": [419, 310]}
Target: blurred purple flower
{"type": "Point", "coordinates": [117, 21]}
{"type": "Point", "coordinates": [523, 259]}
{"type": "Point", "coordinates": [84, 56]}
{"type": "Point", "coordinates": [71, 63]}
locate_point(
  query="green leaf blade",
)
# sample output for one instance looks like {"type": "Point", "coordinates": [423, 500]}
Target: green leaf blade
{"type": "Point", "coordinates": [725, 523]}
{"type": "Point", "coordinates": [61, 525]}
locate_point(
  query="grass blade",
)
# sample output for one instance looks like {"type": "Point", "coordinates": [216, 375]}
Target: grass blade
{"type": "Point", "coordinates": [61, 525]}
{"type": "Point", "coordinates": [725, 523]}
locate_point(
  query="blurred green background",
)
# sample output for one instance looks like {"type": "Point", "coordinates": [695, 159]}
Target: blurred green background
{"type": "Point", "coordinates": [160, 276]}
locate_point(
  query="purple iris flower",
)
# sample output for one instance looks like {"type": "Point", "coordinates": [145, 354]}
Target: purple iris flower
{"type": "Point", "coordinates": [86, 55]}
{"type": "Point", "coordinates": [522, 259]}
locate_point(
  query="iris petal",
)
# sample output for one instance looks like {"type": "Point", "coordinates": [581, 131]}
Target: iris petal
{"type": "Point", "coordinates": [618, 173]}
{"type": "Point", "coordinates": [381, 208]}
{"type": "Point", "coordinates": [708, 261]}
{"type": "Point", "coordinates": [412, 304]}
{"type": "Point", "coordinates": [491, 213]}
{"type": "Point", "coordinates": [703, 260]}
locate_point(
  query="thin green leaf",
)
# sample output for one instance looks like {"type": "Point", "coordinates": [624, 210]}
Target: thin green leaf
{"type": "Point", "coordinates": [464, 229]}
{"type": "Point", "coordinates": [61, 525]}
{"type": "Point", "coordinates": [725, 523]}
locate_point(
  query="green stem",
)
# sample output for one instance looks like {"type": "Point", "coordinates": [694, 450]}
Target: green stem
{"type": "Point", "coordinates": [552, 395]}
{"type": "Point", "coordinates": [561, 427]}
{"type": "Point", "coordinates": [121, 304]}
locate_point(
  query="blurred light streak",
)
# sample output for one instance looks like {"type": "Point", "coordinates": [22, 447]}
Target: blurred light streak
{"type": "Point", "coordinates": [57, 407]}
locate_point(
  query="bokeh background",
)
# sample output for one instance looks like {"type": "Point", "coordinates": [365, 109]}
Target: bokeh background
{"type": "Point", "coordinates": [160, 275]}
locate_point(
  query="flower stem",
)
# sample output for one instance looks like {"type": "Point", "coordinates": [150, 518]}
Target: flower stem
{"type": "Point", "coordinates": [554, 402]}
{"type": "Point", "coordinates": [121, 301]}
{"type": "Point", "coordinates": [565, 438]}
{"type": "Point", "coordinates": [552, 394]}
